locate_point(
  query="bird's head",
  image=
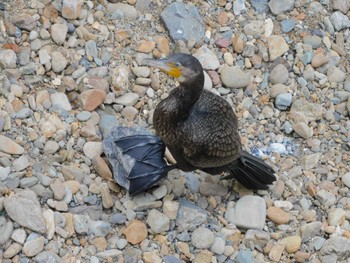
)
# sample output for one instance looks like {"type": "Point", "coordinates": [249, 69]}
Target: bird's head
{"type": "Point", "coordinates": [185, 68]}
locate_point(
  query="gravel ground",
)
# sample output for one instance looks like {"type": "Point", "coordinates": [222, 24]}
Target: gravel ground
{"type": "Point", "coordinates": [72, 69]}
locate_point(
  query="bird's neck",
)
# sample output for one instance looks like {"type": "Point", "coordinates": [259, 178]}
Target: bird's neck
{"type": "Point", "coordinates": [186, 95]}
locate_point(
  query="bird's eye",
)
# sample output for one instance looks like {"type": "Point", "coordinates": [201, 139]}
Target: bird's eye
{"type": "Point", "coordinates": [177, 64]}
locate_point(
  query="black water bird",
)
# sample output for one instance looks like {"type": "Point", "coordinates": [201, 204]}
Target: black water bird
{"type": "Point", "coordinates": [199, 128]}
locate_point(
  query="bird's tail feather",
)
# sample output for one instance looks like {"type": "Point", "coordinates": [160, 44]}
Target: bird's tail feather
{"type": "Point", "coordinates": [252, 172]}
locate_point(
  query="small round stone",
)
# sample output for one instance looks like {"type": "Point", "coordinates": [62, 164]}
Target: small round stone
{"type": "Point", "coordinates": [202, 238]}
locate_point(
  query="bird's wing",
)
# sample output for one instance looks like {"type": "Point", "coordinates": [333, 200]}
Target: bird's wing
{"type": "Point", "coordinates": [209, 135]}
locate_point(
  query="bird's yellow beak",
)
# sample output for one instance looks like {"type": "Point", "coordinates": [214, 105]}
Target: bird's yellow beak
{"type": "Point", "coordinates": [168, 67]}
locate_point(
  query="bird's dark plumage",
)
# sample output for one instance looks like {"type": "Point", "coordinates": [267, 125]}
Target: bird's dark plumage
{"type": "Point", "coordinates": [200, 130]}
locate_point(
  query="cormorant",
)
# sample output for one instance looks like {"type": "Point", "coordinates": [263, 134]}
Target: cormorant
{"type": "Point", "coordinates": [200, 130]}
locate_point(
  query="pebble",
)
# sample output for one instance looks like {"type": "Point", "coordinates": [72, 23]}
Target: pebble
{"type": "Point", "coordinates": [127, 99]}
{"type": "Point", "coordinates": [81, 223]}
{"type": "Point", "coordinates": [8, 58]}
{"type": "Point", "coordinates": [6, 231]}
{"type": "Point", "coordinates": [9, 146]}
{"type": "Point", "coordinates": [25, 210]}
{"type": "Point", "coordinates": [71, 9]}
{"type": "Point", "coordinates": [60, 100]}
{"type": "Point", "coordinates": [218, 246]}
{"type": "Point", "coordinates": [303, 130]}
{"type": "Point", "coordinates": [245, 256]}
{"type": "Point", "coordinates": [202, 238]}
{"type": "Point", "coordinates": [336, 217]}
{"type": "Point", "coordinates": [34, 246]}
{"type": "Point", "coordinates": [287, 25]}
{"type": "Point", "coordinates": [19, 235]}
{"type": "Point", "coordinates": [249, 212]}
{"type": "Point", "coordinates": [135, 232]}
{"type": "Point", "coordinates": [340, 21]}
{"type": "Point", "coordinates": [277, 89]}
{"type": "Point", "coordinates": [47, 256]}
{"type": "Point", "coordinates": [310, 161]}
{"type": "Point", "coordinates": [336, 75]}
{"type": "Point", "coordinates": [279, 74]}
{"type": "Point", "coordinates": [278, 7]}
{"type": "Point", "coordinates": [99, 228]}
{"type": "Point", "coordinates": [283, 100]}
{"type": "Point", "coordinates": [208, 189]}
{"type": "Point", "coordinates": [310, 230]}
{"type": "Point", "coordinates": [158, 221]}
{"type": "Point", "coordinates": [276, 252]}
{"type": "Point", "coordinates": [151, 256]}
{"type": "Point", "coordinates": [234, 77]}
{"type": "Point", "coordinates": [59, 33]}
{"type": "Point", "coordinates": [189, 216]}
{"type": "Point", "coordinates": [207, 58]}
{"type": "Point", "coordinates": [277, 215]}
{"type": "Point", "coordinates": [91, 99]}
{"type": "Point", "coordinates": [277, 46]}
{"type": "Point", "coordinates": [58, 61]}
{"type": "Point", "coordinates": [337, 245]}
{"type": "Point", "coordinates": [24, 21]}
{"type": "Point", "coordinates": [292, 243]}
{"type": "Point", "coordinates": [12, 250]}
{"type": "Point", "coordinates": [122, 11]}
{"type": "Point", "coordinates": [345, 179]}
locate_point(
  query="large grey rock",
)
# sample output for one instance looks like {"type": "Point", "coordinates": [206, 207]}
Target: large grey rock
{"type": "Point", "coordinates": [183, 22]}
{"type": "Point", "coordinates": [25, 210]}
{"type": "Point", "coordinates": [337, 245]}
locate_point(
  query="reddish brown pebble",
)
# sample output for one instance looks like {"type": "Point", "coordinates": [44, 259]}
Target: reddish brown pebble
{"type": "Point", "coordinates": [222, 18]}
{"type": "Point", "coordinates": [222, 43]}
{"type": "Point", "coordinates": [91, 99]}
{"type": "Point", "coordinates": [135, 232]}
{"type": "Point", "coordinates": [215, 77]}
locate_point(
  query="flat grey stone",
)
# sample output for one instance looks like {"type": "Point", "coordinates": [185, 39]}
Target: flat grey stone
{"type": "Point", "coordinates": [25, 209]}
{"type": "Point", "coordinates": [189, 216]}
{"type": "Point", "coordinates": [249, 212]}
{"type": "Point", "coordinates": [183, 22]}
